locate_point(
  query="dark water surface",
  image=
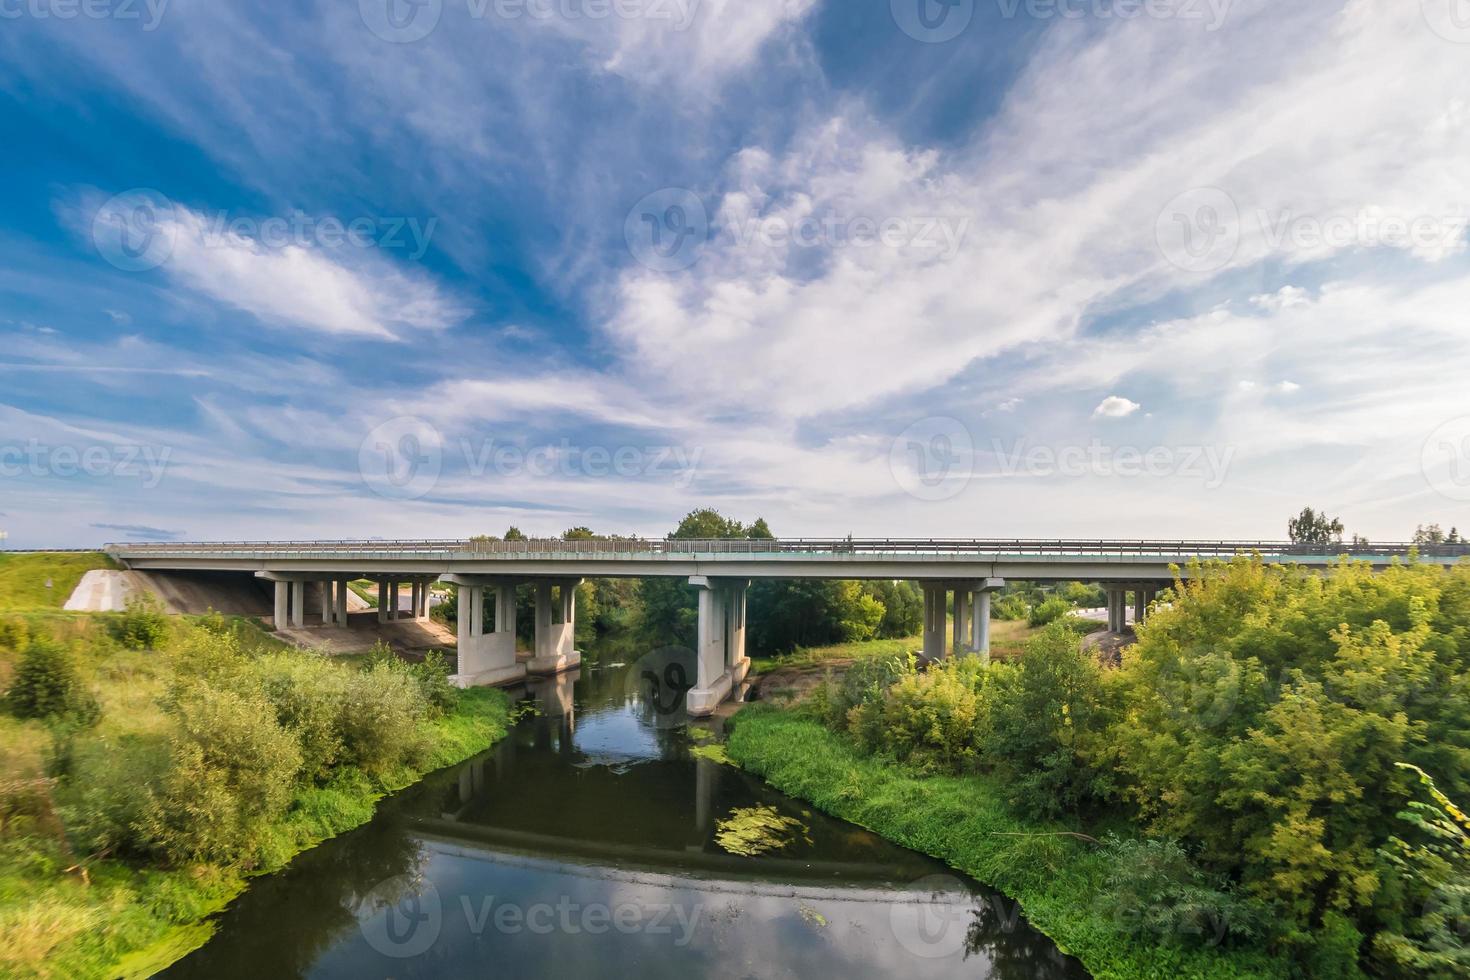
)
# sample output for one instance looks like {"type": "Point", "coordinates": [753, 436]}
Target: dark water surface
{"type": "Point", "coordinates": [584, 845]}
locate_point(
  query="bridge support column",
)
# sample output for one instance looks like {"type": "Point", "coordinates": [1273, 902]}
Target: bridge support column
{"type": "Point", "coordinates": [298, 605]}
{"type": "Point", "coordinates": [713, 680]}
{"type": "Point", "coordinates": [736, 662]}
{"type": "Point", "coordinates": [980, 616]}
{"type": "Point", "coordinates": [1117, 608]}
{"type": "Point", "coordinates": [1140, 605]}
{"type": "Point", "coordinates": [281, 619]}
{"type": "Point", "coordinates": [961, 620]}
{"type": "Point", "coordinates": [339, 602]}
{"type": "Point", "coordinates": [486, 659]}
{"type": "Point", "coordinates": [934, 596]}
{"type": "Point", "coordinates": [326, 586]}
{"type": "Point", "coordinates": [556, 628]}
{"type": "Point", "coordinates": [382, 600]}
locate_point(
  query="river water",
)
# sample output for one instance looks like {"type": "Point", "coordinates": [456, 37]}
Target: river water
{"type": "Point", "coordinates": [588, 843]}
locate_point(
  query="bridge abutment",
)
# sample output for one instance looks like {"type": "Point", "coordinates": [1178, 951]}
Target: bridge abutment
{"type": "Point", "coordinates": [486, 659]}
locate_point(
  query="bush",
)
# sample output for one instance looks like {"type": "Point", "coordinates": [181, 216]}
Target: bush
{"type": "Point", "coordinates": [47, 684]}
{"type": "Point", "coordinates": [1009, 607]}
{"type": "Point", "coordinates": [864, 683]}
{"type": "Point", "coordinates": [231, 769]}
{"type": "Point", "coordinates": [1044, 725]}
{"type": "Point", "coordinates": [935, 720]}
{"type": "Point", "coordinates": [144, 624]}
{"type": "Point", "coordinates": [307, 694]}
{"type": "Point", "coordinates": [1049, 612]}
{"type": "Point", "coordinates": [1154, 892]}
{"type": "Point", "coordinates": [15, 635]}
{"type": "Point", "coordinates": [379, 718]}
{"type": "Point", "coordinates": [107, 789]}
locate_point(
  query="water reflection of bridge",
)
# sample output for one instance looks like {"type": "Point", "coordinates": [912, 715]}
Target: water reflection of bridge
{"type": "Point", "coordinates": [470, 816]}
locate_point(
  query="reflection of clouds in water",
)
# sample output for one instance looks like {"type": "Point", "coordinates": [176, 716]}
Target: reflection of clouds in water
{"type": "Point", "coordinates": [608, 738]}
{"type": "Point", "coordinates": [736, 924]}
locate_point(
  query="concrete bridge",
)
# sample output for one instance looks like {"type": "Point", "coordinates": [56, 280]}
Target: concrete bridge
{"type": "Point", "coordinates": [970, 570]}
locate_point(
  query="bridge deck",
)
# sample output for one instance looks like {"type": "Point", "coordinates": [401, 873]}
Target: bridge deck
{"type": "Point", "coordinates": [926, 558]}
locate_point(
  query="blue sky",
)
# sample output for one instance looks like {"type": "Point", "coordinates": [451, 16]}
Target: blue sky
{"type": "Point", "coordinates": [882, 267]}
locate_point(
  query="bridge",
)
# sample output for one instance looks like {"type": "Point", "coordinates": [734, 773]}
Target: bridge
{"type": "Point", "coordinates": [487, 571]}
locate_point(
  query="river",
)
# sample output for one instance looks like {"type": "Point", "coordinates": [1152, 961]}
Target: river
{"type": "Point", "coordinates": [588, 843]}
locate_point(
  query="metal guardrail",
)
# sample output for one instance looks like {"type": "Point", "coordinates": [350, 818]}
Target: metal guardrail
{"type": "Point", "coordinates": [873, 547]}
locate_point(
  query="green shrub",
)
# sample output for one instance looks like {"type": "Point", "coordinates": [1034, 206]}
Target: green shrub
{"type": "Point", "coordinates": [307, 694]}
{"type": "Point", "coordinates": [934, 720]}
{"type": "Point", "coordinates": [864, 683]}
{"type": "Point", "coordinates": [1045, 724]}
{"type": "Point", "coordinates": [379, 718]}
{"type": "Point", "coordinates": [144, 625]}
{"type": "Point", "coordinates": [1155, 893]}
{"type": "Point", "coordinates": [1010, 607]}
{"type": "Point", "coordinates": [15, 634]}
{"type": "Point", "coordinates": [47, 684]}
{"type": "Point", "coordinates": [1049, 612]}
{"type": "Point", "coordinates": [432, 675]}
{"type": "Point", "coordinates": [231, 770]}
{"type": "Point", "coordinates": [107, 789]}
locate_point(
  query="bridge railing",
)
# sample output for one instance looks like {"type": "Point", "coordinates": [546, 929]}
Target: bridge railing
{"type": "Point", "coordinates": [874, 547]}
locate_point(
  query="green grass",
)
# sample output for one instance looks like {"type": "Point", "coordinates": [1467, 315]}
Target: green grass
{"type": "Point", "coordinates": [23, 578]}
{"type": "Point", "coordinates": [124, 919]}
{"type": "Point", "coordinates": [840, 652]}
{"type": "Point", "coordinates": [963, 820]}
{"type": "Point", "coordinates": [366, 591]}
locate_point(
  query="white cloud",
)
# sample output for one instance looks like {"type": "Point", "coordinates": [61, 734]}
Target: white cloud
{"type": "Point", "coordinates": [1115, 407]}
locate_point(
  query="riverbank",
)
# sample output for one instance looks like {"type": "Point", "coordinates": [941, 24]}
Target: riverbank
{"type": "Point", "coordinates": [69, 906]}
{"type": "Point", "coordinates": [963, 820]}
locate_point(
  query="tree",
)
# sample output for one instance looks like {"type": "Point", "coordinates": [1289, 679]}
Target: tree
{"type": "Point", "coordinates": [1429, 534]}
{"type": "Point", "coordinates": [708, 524]}
{"type": "Point", "coordinates": [514, 534]}
{"type": "Point", "coordinates": [578, 534]}
{"type": "Point", "coordinates": [1311, 527]}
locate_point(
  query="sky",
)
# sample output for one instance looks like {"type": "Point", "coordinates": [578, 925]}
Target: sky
{"type": "Point", "coordinates": [889, 268]}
